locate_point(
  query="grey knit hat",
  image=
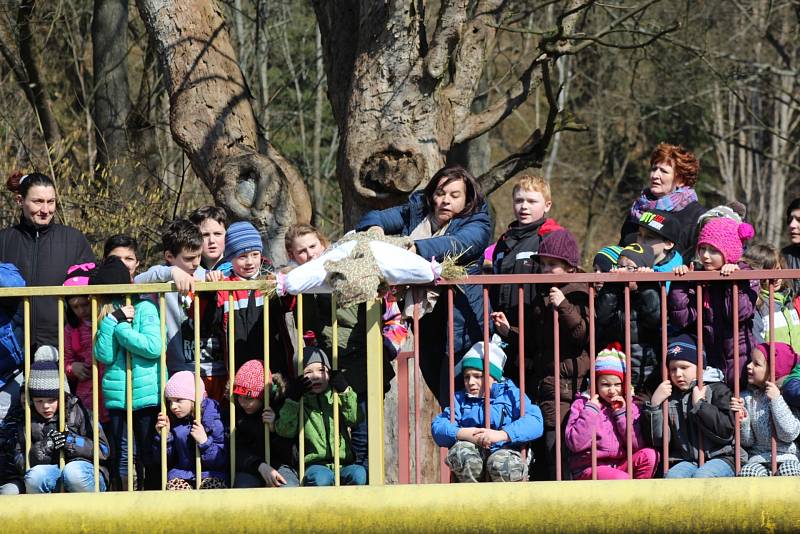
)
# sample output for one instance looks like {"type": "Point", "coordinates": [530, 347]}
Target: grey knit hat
{"type": "Point", "coordinates": [43, 379]}
{"type": "Point", "coordinates": [315, 355]}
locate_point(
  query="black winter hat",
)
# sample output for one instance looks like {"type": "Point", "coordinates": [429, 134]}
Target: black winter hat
{"type": "Point", "coordinates": [641, 255]}
{"type": "Point", "coordinates": [661, 223]}
{"type": "Point", "coordinates": [111, 271]}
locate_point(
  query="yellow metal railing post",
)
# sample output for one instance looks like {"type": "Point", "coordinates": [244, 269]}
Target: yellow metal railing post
{"type": "Point", "coordinates": [198, 396]}
{"type": "Point", "coordinates": [375, 392]}
{"type": "Point", "coordinates": [162, 382]}
{"type": "Point", "coordinates": [61, 405]}
{"type": "Point", "coordinates": [335, 354]}
{"type": "Point", "coordinates": [95, 404]}
{"type": "Point", "coordinates": [301, 433]}
{"type": "Point", "coordinates": [129, 409]}
{"type": "Point", "coordinates": [267, 379]}
{"type": "Point", "coordinates": [27, 329]}
{"type": "Point", "coordinates": [231, 375]}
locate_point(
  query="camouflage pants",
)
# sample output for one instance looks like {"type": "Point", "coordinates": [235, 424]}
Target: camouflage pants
{"type": "Point", "coordinates": [468, 463]}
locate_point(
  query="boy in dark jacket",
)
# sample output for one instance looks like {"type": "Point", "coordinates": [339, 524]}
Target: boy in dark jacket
{"type": "Point", "coordinates": [694, 413]}
{"type": "Point", "coordinates": [516, 251]}
{"type": "Point", "coordinates": [645, 318]}
{"type": "Point", "coordinates": [48, 443]}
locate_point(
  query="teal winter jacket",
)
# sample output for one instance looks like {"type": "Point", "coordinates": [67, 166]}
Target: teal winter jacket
{"type": "Point", "coordinates": [142, 339]}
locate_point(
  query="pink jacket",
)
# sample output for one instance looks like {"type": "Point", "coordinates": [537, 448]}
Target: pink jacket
{"type": "Point", "coordinates": [78, 348]}
{"type": "Point", "coordinates": [610, 426]}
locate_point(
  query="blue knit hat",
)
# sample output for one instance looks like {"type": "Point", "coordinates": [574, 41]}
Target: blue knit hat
{"type": "Point", "coordinates": [683, 348]}
{"type": "Point", "coordinates": [240, 238]}
{"type": "Point", "coordinates": [606, 258]}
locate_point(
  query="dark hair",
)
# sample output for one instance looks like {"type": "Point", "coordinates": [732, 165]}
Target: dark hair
{"type": "Point", "coordinates": [120, 240]}
{"type": "Point", "coordinates": [209, 212]}
{"type": "Point", "coordinates": [19, 183]}
{"type": "Point", "coordinates": [454, 173]}
{"type": "Point", "coordinates": [69, 315]}
{"type": "Point", "coordinates": [181, 234]}
{"type": "Point", "coordinates": [793, 205]}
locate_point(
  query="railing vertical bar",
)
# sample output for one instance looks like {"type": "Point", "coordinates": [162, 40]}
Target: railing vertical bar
{"type": "Point", "coordinates": [375, 407]}
{"type": "Point", "coordinates": [736, 386]}
{"type": "Point", "coordinates": [26, 306]}
{"type": "Point", "coordinates": [592, 373]}
{"type": "Point", "coordinates": [335, 355]}
{"type": "Point", "coordinates": [773, 440]}
{"type": "Point", "coordinates": [267, 379]}
{"type": "Point", "coordinates": [403, 421]}
{"type": "Point", "coordinates": [162, 383]}
{"type": "Point", "coordinates": [664, 377]}
{"type": "Point", "coordinates": [62, 408]}
{"type": "Point", "coordinates": [451, 382]}
{"type": "Point", "coordinates": [95, 403]}
{"type": "Point", "coordinates": [700, 363]}
{"type": "Point", "coordinates": [487, 389]}
{"type": "Point", "coordinates": [198, 396]}
{"type": "Point", "coordinates": [557, 389]}
{"type": "Point", "coordinates": [521, 359]}
{"type": "Point", "coordinates": [231, 376]}
{"type": "Point", "coordinates": [129, 409]}
{"type": "Point", "coordinates": [417, 399]}
{"type": "Point", "coordinates": [627, 382]}
{"type": "Point", "coordinates": [301, 432]}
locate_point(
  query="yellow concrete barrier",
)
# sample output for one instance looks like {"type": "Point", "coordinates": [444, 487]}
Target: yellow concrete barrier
{"type": "Point", "coordinates": [713, 505]}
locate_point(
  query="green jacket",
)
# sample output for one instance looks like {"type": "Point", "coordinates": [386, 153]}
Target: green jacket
{"type": "Point", "coordinates": [318, 417]}
{"type": "Point", "coordinates": [143, 340]}
{"type": "Point", "coordinates": [787, 321]}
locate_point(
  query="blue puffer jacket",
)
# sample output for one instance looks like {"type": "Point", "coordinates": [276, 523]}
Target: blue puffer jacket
{"type": "Point", "coordinates": [469, 235]}
{"type": "Point", "coordinates": [505, 415]}
{"type": "Point", "coordinates": [11, 334]}
{"type": "Point", "coordinates": [180, 445]}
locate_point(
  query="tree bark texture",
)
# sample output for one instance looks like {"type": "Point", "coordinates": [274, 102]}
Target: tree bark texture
{"type": "Point", "coordinates": [401, 99]}
{"type": "Point", "coordinates": [212, 119]}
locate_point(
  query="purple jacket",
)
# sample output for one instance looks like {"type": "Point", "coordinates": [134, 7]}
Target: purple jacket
{"type": "Point", "coordinates": [718, 339]}
{"type": "Point", "coordinates": [611, 428]}
{"type": "Point", "coordinates": [180, 445]}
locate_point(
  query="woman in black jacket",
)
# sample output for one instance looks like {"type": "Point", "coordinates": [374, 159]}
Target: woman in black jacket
{"type": "Point", "coordinates": [41, 249]}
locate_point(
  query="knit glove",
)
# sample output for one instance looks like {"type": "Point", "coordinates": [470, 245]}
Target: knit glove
{"type": "Point", "coordinates": [297, 387]}
{"type": "Point", "coordinates": [338, 381]}
{"type": "Point", "coordinates": [119, 315]}
{"type": "Point", "coordinates": [55, 439]}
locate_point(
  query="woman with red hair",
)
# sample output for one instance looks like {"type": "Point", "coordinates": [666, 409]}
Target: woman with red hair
{"type": "Point", "coordinates": [673, 174]}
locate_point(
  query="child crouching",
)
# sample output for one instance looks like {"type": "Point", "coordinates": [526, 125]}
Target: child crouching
{"type": "Point", "coordinates": [605, 413]}
{"type": "Point", "coordinates": [475, 449]}
{"type": "Point", "coordinates": [316, 388]}
{"type": "Point", "coordinates": [47, 442]}
{"type": "Point", "coordinates": [763, 409]}
{"type": "Point", "coordinates": [183, 432]}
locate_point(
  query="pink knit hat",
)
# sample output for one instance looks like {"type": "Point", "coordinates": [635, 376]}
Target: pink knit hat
{"type": "Point", "coordinates": [78, 275]}
{"type": "Point", "coordinates": [249, 380]}
{"type": "Point", "coordinates": [785, 358]}
{"type": "Point", "coordinates": [181, 386]}
{"type": "Point", "coordinates": [727, 236]}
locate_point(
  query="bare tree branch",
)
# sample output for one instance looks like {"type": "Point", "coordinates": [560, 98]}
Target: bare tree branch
{"type": "Point", "coordinates": [452, 16]}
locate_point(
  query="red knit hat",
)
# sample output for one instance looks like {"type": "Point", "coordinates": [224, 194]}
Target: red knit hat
{"type": "Point", "coordinates": [249, 380]}
{"type": "Point", "coordinates": [785, 358]}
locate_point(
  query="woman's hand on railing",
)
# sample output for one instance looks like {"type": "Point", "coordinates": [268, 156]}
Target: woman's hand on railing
{"type": "Point", "coordinates": [162, 421]}
{"type": "Point", "coordinates": [662, 393]}
{"type": "Point", "coordinates": [501, 323]}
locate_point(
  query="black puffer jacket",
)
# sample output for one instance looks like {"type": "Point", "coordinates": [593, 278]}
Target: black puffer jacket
{"type": "Point", "coordinates": [250, 443]}
{"type": "Point", "coordinates": [43, 254]}
{"type": "Point", "coordinates": [78, 424]}
{"type": "Point", "coordinates": [645, 325]}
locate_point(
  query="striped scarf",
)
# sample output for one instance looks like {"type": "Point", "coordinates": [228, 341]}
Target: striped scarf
{"type": "Point", "coordinates": [675, 201]}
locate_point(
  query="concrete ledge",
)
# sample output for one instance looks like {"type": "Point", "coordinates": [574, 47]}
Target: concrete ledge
{"type": "Point", "coordinates": [711, 505]}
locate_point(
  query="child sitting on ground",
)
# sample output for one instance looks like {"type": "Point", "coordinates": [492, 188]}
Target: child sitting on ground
{"type": "Point", "coordinates": [694, 413]}
{"type": "Point", "coordinates": [183, 432]}
{"type": "Point", "coordinates": [763, 410]}
{"type": "Point", "coordinates": [252, 468]}
{"type": "Point", "coordinates": [719, 247]}
{"type": "Point", "coordinates": [315, 387]}
{"type": "Point", "coordinates": [477, 453]}
{"type": "Point", "coordinates": [645, 318]}
{"type": "Point", "coordinates": [47, 442]}
{"type": "Point", "coordinates": [605, 413]}
{"type": "Point", "coordinates": [787, 321]}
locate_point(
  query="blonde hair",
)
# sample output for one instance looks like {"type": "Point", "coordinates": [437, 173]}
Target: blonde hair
{"type": "Point", "coordinates": [105, 307]}
{"type": "Point", "coordinates": [531, 182]}
{"type": "Point", "coordinates": [764, 256]}
{"type": "Point", "coordinates": [299, 230]}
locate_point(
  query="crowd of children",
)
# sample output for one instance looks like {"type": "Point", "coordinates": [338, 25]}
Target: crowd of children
{"type": "Point", "coordinates": [512, 436]}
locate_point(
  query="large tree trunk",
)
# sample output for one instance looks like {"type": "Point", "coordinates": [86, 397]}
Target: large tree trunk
{"type": "Point", "coordinates": [212, 119]}
{"type": "Point", "coordinates": [112, 102]}
{"type": "Point", "coordinates": [401, 100]}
